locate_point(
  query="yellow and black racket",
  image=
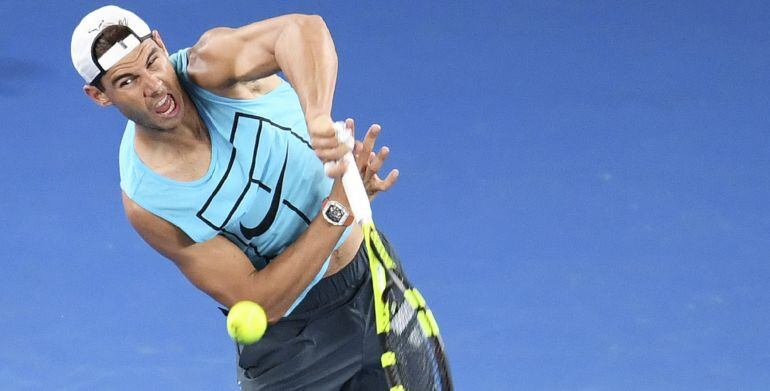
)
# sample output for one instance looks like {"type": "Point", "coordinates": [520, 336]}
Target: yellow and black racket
{"type": "Point", "coordinates": [413, 358]}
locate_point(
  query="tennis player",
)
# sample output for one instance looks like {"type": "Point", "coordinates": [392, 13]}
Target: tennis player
{"type": "Point", "coordinates": [221, 171]}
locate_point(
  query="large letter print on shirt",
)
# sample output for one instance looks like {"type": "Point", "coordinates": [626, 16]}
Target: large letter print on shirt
{"type": "Point", "coordinates": [257, 146]}
{"type": "Point", "coordinates": [267, 221]}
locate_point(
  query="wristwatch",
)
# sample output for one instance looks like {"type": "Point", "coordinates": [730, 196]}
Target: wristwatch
{"type": "Point", "coordinates": [335, 213]}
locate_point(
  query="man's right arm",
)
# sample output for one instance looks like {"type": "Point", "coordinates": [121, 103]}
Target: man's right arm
{"type": "Point", "coordinates": [221, 269]}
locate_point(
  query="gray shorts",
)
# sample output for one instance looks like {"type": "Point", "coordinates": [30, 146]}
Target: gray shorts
{"type": "Point", "coordinates": [329, 341]}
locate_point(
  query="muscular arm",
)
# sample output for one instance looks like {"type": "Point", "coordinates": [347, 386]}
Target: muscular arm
{"type": "Point", "coordinates": [222, 270]}
{"type": "Point", "coordinates": [225, 59]}
{"type": "Point", "coordinates": [299, 45]}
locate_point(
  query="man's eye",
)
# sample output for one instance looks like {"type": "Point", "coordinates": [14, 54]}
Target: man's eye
{"type": "Point", "coordinates": [126, 82]}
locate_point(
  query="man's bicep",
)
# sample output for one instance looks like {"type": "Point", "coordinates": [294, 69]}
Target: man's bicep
{"type": "Point", "coordinates": [217, 266]}
{"type": "Point", "coordinates": [227, 55]}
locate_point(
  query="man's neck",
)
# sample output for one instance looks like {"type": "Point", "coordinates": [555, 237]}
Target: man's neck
{"type": "Point", "coordinates": [182, 153]}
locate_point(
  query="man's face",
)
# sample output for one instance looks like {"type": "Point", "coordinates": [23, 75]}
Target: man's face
{"type": "Point", "coordinates": [144, 87]}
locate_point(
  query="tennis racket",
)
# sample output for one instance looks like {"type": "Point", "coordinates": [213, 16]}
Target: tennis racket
{"type": "Point", "coordinates": [413, 358]}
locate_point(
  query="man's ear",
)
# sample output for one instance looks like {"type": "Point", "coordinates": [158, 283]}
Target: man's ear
{"type": "Point", "coordinates": [158, 40]}
{"type": "Point", "coordinates": [97, 95]}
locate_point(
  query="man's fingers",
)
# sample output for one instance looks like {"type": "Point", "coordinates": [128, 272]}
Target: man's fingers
{"type": "Point", "coordinates": [389, 180]}
{"type": "Point", "coordinates": [351, 124]}
{"type": "Point", "coordinates": [357, 146]}
{"type": "Point", "coordinates": [332, 154]}
{"type": "Point", "coordinates": [336, 169]}
{"type": "Point", "coordinates": [321, 131]}
{"type": "Point", "coordinates": [380, 158]}
{"type": "Point", "coordinates": [377, 185]}
{"type": "Point", "coordinates": [319, 143]}
{"type": "Point", "coordinates": [361, 157]}
{"type": "Point", "coordinates": [323, 136]}
{"type": "Point", "coordinates": [375, 162]}
{"type": "Point", "coordinates": [368, 162]}
{"type": "Point", "coordinates": [371, 137]}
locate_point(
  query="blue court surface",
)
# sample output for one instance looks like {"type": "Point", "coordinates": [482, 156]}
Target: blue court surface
{"type": "Point", "coordinates": [584, 197]}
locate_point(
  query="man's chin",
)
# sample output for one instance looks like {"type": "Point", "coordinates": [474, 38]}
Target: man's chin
{"type": "Point", "coordinates": [159, 126]}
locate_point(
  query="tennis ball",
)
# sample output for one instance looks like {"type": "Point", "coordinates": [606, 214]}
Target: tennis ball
{"type": "Point", "coordinates": [246, 322]}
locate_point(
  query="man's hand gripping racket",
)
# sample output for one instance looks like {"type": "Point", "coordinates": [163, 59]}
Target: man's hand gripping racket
{"type": "Point", "coordinates": [413, 358]}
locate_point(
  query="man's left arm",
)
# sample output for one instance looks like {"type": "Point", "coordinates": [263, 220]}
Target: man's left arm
{"type": "Point", "coordinates": [299, 45]}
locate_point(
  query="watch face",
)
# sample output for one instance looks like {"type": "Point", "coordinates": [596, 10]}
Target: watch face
{"type": "Point", "coordinates": [335, 213]}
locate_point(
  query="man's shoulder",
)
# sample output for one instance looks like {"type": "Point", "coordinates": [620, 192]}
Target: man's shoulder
{"type": "Point", "coordinates": [204, 44]}
{"type": "Point", "coordinates": [205, 65]}
{"type": "Point", "coordinates": [130, 175]}
{"type": "Point", "coordinates": [126, 144]}
{"type": "Point", "coordinates": [188, 67]}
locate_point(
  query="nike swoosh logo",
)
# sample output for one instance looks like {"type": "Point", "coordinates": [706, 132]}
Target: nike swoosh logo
{"type": "Point", "coordinates": [264, 225]}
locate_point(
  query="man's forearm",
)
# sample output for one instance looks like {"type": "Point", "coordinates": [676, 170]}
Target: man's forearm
{"type": "Point", "coordinates": [305, 53]}
{"type": "Point", "coordinates": [291, 271]}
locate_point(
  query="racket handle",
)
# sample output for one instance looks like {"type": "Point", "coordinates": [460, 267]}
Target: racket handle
{"type": "Point", "coordinates": [351, 179]}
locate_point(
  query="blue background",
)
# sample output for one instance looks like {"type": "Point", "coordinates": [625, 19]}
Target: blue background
{"type": "Point", "coordinates": [583, 196]}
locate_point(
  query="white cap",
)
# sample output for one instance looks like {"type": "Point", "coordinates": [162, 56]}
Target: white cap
{"type": "Point", "coordinates": [85, 34]}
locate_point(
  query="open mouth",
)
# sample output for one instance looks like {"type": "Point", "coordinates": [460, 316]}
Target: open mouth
{"type": "Point", "coordinates": [166, 107]}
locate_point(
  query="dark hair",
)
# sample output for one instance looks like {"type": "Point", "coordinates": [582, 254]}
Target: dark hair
{"type": "Point", "coordinates": [106, 39]}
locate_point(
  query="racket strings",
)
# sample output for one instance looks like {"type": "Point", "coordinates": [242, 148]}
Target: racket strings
{"type": "Point", "coordinates": [419, 359]}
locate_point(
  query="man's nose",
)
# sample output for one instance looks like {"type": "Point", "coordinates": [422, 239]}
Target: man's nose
{"type": "Point", "coordinates": [153, 86]}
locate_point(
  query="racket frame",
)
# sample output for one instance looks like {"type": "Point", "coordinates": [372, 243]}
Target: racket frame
{"type": "Point", "coordinates": [385, 273]}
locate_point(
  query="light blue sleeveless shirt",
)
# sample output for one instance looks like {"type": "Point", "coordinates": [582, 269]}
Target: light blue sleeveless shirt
{"type": "Point", "coordinates": [263, 187]}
